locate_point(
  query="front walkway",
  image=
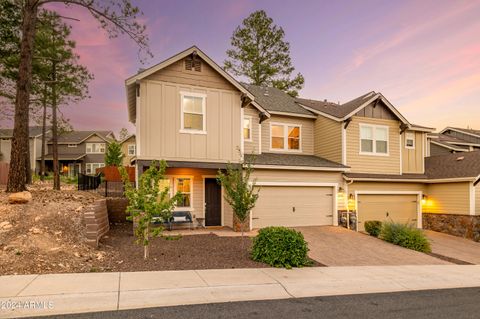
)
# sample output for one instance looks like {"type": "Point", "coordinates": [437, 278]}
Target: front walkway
{"type": "Point", "coordinates": [454, 247]}
{"type": "Point", "coordinates": [33, 295]}
{"type": "Point", "coordinates": [337, 246]}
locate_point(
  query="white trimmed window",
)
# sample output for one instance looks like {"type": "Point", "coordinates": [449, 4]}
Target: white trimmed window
{"type": "Point", "coordinates": [193, 113]}
{"type": "Point", "coordinates": [247, 128]}
{"type": "Point", "coordinates": [72, 145]}
{"type": "Point", "coordinates": [410, 140]}
{"type": "Point", "coordinates": [183, 185]}
{"type": "Point", "coordinates": [373, 139]}
{"type": "Point", "coordinates": [131, 149]}
{"type": "Point", "coordinates": [285, 137]}
{"type": "Point", "coordinates": [91, 168]}
{"type": "Point", "coordinates": [95, 148]}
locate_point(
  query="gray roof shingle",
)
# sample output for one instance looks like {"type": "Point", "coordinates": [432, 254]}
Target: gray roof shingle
{"type": "Point", "coordinates": [275, 100]}
{"type": "Point", "coordinates": [32, 131]}
{"type": "Point", "coordinates": [294, 160]}
{"type": "Point", "coordinates": [78, 136]}
{"type": "Point", "coordinates": [465, 164]}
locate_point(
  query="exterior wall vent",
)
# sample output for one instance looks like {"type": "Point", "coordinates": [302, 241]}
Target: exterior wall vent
{"type": "Point", "coordinates": [193, 64]}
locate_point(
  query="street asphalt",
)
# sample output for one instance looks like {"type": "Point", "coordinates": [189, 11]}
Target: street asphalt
{"type": "Point", "coordinates": [438, 304]}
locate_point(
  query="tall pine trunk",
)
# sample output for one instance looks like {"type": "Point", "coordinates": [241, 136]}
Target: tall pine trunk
{"type": "Point", "coordinates": [56, 168]}
{"type": "Point", "coordinates": [17, 176]}
{"type": "Point", "coordinates": [44, 131]}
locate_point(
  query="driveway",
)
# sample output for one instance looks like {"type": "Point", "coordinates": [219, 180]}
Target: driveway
{"type": "Point", "coordinates": [454, 247]}
{"type": "Point", "coordinates": [338, 246]}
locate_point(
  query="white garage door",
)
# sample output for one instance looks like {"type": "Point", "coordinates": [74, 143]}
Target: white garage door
{"type": "Point", "coordinates": [293, 206]}
{"type": "Point", "coordinates": [396, 208]}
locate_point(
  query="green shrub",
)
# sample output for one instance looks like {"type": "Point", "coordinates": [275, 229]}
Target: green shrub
{"type": "Point", "coordinates": [405, 236]}
{"type": "Point", "coordinates": [373, 227]}
{"type": "Point", "coordinates": [280, 247]}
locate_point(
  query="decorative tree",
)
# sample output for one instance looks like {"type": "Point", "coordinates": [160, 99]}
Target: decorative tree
{"type": "Point", "coordinates": [115, 16]}
{"type": "Point", "coordinates": [260, 53]}
{"type": "Point", "coordinates": [114, 155]}
{"type": "Point", "coordinates": [240, 191]}
{"type": "Point", "coordinates": [148, 202]}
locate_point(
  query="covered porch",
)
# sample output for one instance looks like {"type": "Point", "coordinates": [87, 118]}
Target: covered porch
{"type": "Point", "coordinates": [70, 164]}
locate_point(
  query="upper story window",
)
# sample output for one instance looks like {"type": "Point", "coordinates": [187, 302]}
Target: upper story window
{"type": "Point", "coordinates": [131, 149]}
{"type": "Point", "coordinates": [373, 139]}
{"type": "Point", "coordinates": [410, 140]}
{"type": "Point", "coordinates": [95, 148]}
{"type": "Point", "coordinates": [193, 113]}
{"type": "Point", "coordinates": [247, 128]}
{"type": "Point", "coordinates": [285, 137]}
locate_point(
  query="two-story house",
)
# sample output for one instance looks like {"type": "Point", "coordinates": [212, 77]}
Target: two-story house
{"type": "Point", "coordinates": [313, 159]}
{"type": "Point", "coordinates": [453, 140]}
{"type": "Point", "coordinates": [79, 151]}
{"type": "Point", "coordinates": [128, 145]}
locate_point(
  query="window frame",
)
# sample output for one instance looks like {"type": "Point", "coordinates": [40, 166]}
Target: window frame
{"type": "Point", "coordinates": [249, 118]}
{"type": "Point", "coordinates": [407, 134]}
{"type": "Point", "coordinates": [204, 113]}
{"type": "Point", "coordinates": [173, 190]}
{"type": "Point", "coordinates": [134, 149]}
{"type": "Point", "coordinates": [374, 127]}
{"type": "Point", "coordinates": [91, 167]}
{"type": "Point", "coordinates": [285, 137]}
{"type": "Point", "coordinates": [96, 143]}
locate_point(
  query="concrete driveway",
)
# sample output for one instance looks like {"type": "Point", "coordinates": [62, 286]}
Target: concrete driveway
{"type": "Point", "coordinates": [338, 246]}
{"type": "Point", "coordinates": [454, 247]}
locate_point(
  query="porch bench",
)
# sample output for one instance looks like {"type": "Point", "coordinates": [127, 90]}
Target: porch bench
{"type": "Point", "coordinates": [180, 218]}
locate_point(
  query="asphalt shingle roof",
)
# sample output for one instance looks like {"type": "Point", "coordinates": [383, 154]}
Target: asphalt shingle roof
{"type": "Point", "coordinates": [32, 131]}
{"type": "Point", "coordinates": [457, 165]}
{"type": "Point", "coordinates": [294, 160]}
{"type": "Point", "coordinates": [78, 136]}
{"type": "Point", "coordinates": [275, 100]}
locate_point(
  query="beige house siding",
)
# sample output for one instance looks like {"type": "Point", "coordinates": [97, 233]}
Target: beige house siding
{"type": "Point", "coordinates": [328, 139]}
{"type": "Point", "coordinates": [448, 198]}
{"type": "Point", "coordinates": [208, 77]}
{"type": "Point", "coordinates": [412, 159]}
{"type": "Point", "coordinates": [158, 127]}
{"type": "Point", "coordinates": [359, 163]}
{"type": "Point", "coordinates": [477, 200]}
{"type": "Point", "coordinates": [252, 146]}
{"type": "Point", "coordinates": [127, 159]}
{"type": "Point", "coordinates": [307, 126]}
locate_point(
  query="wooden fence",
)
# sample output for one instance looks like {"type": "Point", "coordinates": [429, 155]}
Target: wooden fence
{"type": "Point", "coordinates": [4, 167]}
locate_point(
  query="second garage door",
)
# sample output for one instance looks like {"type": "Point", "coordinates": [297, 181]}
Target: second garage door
{"type": "Point", "coordinates": [397, 208]}
{"type": "Point", "coordinates": [293, 206]}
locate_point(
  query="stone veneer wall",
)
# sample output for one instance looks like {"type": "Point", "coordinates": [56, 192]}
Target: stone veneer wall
{"type": "Point", "coordinates": [465, 226]}
{"type": "Point", "coordinates": [95, 217]}
{"type": "Point", "coordinates": [117, 207]}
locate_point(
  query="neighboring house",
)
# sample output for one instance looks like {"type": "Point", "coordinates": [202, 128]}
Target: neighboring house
{"type": "Point", "coordinates": [35, 143]}
{"type": "Point", "coordinates": [79, 151]}
{"type": "Point", "coordinates": [453, 140]}
{"type": "Point", "coordinates": [128, 149]}
{"type": "Point", "coordinates": [313, 159]}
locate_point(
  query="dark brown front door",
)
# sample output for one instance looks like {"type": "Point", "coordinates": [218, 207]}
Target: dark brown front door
{"type": "Point", "coordinates": [213, 203]}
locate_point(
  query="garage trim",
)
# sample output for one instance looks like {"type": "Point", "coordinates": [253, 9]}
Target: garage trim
{"type": "Point", "coordinates": [419, 201]}
{"type": "Point", "coordinates": [304, 184]}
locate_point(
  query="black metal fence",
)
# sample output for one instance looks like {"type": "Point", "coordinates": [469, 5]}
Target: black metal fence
{"type": "Point", "coordinates": [111, 189]}
{"type": "Point", "coordinates": [88, 182]}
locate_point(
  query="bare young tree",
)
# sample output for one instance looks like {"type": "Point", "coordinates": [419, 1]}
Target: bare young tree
{"type": "Point", "coordinates": [115, 17]}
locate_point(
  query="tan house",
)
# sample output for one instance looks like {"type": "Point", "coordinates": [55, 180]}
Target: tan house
{"type": "Point", "coordinates": [314, 160]}
{"type": "Point", "coordinates": [128, 145]}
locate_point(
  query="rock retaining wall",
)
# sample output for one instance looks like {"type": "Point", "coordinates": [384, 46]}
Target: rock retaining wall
{"type": "Point", "coordinates": [465, 226]}
{"type": "Point", "coordinates": [95, 217]}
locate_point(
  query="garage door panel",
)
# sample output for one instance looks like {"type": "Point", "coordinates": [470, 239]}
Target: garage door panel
{"type": "Point", "coordinates": [293, 206]}
{"type": "Point", "coordinates": [394, 207]}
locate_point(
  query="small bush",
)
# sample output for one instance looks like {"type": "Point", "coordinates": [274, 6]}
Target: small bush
{"type": "Point", "coordinates": [280, 247]}
{"type": "Point", "coordinates": [373, 227]}
{"type": "Point", "coordinates": [405, 236]}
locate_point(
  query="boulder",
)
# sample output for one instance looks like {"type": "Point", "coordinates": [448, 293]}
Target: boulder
{"type": "Point", "coordinates": [20, 198]}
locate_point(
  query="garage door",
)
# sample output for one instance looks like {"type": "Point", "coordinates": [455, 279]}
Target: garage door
{"type": "Point", "coordinates": [293, 206]}
{"type": "Point", "coordinates": [397, 208]}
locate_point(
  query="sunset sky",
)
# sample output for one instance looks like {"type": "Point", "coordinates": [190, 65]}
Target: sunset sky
{"type": "Point", "coordinates": [424, 56]}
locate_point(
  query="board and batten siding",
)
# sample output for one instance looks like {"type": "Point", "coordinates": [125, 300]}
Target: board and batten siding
{"type": "Point", "coordinates": [306, 130]}
{"type": "Point", "coordinates": [448, 198]}
{"type": "Point", "coordinates": [253, 145]}
{"type": "Point", "coordinates": [159, 124]}
{"type": "Point", "coordinates": [412, 159]}
{"type": "Point", "coordinates": [328, 139]}
{"type": "Point", "coordinates": [377, 164]}
{"type": "Point", "coordinates": [477, 200]}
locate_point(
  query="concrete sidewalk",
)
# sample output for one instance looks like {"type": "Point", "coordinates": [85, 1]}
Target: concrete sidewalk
{"type": "Point", "coordinates": [90, 292]}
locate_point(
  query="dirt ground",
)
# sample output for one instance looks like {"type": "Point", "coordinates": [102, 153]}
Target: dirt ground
{"type": "Point", "coordinates": [47, 236]}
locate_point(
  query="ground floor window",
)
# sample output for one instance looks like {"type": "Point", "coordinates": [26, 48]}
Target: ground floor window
{"type": "Point", "coordinates": [182, 185]}
{"type": "Point", "coordinates": [91, 168]}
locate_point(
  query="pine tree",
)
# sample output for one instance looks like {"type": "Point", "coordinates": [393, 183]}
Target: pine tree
{"type": "Point", "coordinates": [114, 155]}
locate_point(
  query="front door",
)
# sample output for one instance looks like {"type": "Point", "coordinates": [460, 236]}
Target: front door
{"type": "Point", "coordinates": [213, 203]}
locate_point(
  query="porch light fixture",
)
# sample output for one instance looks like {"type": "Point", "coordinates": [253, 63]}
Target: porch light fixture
{"type": "Point", "coordinates": [424, 199]}
{"type": "Point", "coordinates": [350, 197]}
